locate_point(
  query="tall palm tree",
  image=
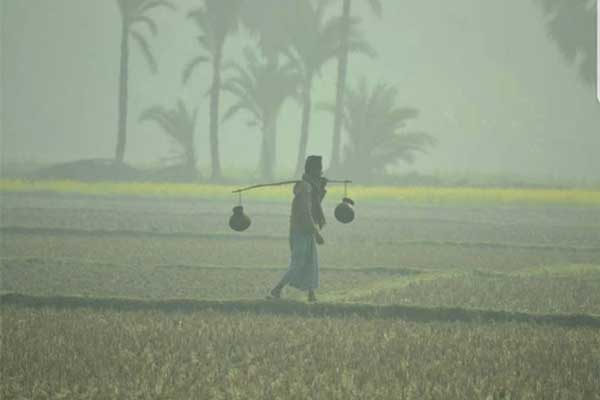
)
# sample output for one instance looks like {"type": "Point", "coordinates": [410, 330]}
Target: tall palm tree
{"type": "Point", "coordinates": [216, 19]}
{"type": "Point", "coordinates": [179, 124]}
{"type": "Point", "coordinates": [313, 41]}
{"type": "Point", "coordinates": [133, 14]}
{"type": "Point", "coordinates": [261, 89]}
{"type": "Point", "coordinates": [572, 25]}
{"type": "Point", "coordinates": [342, 72]}
{"type": "Point", "coordinates": [375, 127]}
{"type": "Point", "coordinates": [269, 28]}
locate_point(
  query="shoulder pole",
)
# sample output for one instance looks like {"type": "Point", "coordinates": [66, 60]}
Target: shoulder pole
{"type": "Point", "coordinates": [284, 183]}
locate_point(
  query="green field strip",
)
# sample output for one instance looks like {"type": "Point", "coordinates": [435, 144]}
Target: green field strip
{"type": "Point", "coordinates": [348, 295]}
{"type": "Point", "coordinates": [407, 195]}
{"type": "Point", "coordinates": [317, 310]}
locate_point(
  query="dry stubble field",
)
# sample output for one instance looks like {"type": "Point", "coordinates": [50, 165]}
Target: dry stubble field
{"type": "Point", "coordinates": [77, 260]}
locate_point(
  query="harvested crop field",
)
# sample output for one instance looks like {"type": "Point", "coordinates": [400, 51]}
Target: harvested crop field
{"type": "Point", "coordinates": [154, 297]}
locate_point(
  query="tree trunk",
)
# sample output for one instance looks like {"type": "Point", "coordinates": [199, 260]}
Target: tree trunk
{"type": "Point", "coordinates": [306, 111]}
{"type": "Point", "coordinates": [123, 95]}
{"type": "Point", "coordinates": [341, 85]}
{"type": "Point", "coordinates": [190, 159]}
{"type": "Point", "coordinates": [272, 146]}
{"type": "Point", "coordinates": [215, 93]}
{"type": "Point", "coordinates": [268, 149]}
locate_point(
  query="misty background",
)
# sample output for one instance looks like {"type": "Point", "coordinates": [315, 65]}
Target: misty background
{"type": "Point", "coordinates": [491, 86]}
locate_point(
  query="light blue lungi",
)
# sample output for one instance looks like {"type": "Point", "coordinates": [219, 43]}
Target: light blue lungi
{"type": "Point", "coordinates": [303, 271]}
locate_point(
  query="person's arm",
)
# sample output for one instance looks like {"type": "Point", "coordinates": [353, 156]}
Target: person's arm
{"type": "Point", "coordinates": [306, 212]}
{"type": "Point", "coordinates": [323, 182]}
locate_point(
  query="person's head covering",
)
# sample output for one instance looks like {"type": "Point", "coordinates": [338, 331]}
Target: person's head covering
{"type": "Point", "coordinates": [313, 163]}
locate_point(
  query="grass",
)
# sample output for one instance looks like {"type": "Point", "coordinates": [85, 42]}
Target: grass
{"type": "Point", "coordinates": [150, 355]}
{"type": "Point", "coordinates": [300, 309]}
{"type": "Point", "coordinates": [97, 279]}
{"type": "Point", "coordinates": [119, 298]}
{"type": "Point", "coordinates": [413, 195]}
{"type": "Point", "coordinates": [569, 289]}
{"type": "Point", "coordinates": [561, 290]}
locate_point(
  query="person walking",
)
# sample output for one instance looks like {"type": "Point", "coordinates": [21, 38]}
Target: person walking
{"type": "Point", "coordinates": [306, 222]}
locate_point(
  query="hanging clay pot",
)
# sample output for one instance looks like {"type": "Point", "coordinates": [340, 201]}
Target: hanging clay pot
{"type": "Point", "coordinates": [239, 221]}
{"type": "Point", "coordinates": [344, 212]}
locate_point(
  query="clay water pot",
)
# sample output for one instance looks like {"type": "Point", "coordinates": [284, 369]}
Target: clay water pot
{"type": "Point", "coordinates": [239, 221]}
{"type": "Point", "coordinates": [344, 212]}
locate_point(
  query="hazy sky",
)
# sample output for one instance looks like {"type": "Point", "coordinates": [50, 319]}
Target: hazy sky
{"type": "Point", "coordinates": [491, 87]}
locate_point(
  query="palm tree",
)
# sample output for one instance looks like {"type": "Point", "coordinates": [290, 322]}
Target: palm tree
{"type": "Point", "coordinates": [261, 89]}
{"type": "Point", "coordinates": [269, 28]}
{"type": "Point", "coordinates": [133, 13]}
{"type": "Point", "coordinates": [572, 25]}
{"type": "Point", "coordinates": [217, 19]}
{"type": "Point", "coordinates": [375, 124]}
{"type": "Point", "coordinates": [342, 71]}
{"type": "Point", "coordinates": [179, 124]}
{"type": "Point", "coordinates": [313, 41]}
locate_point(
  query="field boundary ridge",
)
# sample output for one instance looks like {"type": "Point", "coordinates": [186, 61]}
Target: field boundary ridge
{"type": "Point", "coordinates": [287, 307]}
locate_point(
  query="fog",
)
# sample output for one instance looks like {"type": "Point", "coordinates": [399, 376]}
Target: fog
{"type": "Point", "coordinates": [156, 240]}
{"type": "Point", "coordinates": [491, 86]}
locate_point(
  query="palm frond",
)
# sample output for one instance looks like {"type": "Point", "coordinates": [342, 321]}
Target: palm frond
{"type": "Point", "coordinates": [376, 7]}
{"type": "Point", "coordinates": [402, 114]}
{"type": "Point", "coordinates": [296, 62]}
{"type": "Point", "coordinates": [129, 8]}
{"type": "Point", "coordinates": [316, 40]}
{"type": "Point", "coordinates": [217, 19]}
{"type": "Point", "coordinates": [571, 25]}
{"type": "Point", "coordinates": [357, 43]}
{"type": "Point", "coordinates": [145, 20]}
{"type": "Point", "coordinates": [191, 66]}
{"type": "Point", "coordinates": [145, 47]}
{"type": "Point", "coordinates": [147, 5]}
{"type": "Point", "coordinates": [326, 106]}
{"type": "Point", "coordinates": [245, 96]}
{"type": "Point", "coordinates": [418, 138]}
{"type": "Point", "coordinates": [329, 40]}
{"type": "Point", "coordinates": [161, 116]}
{"type": "Point", "coordinates": [205, 43]}
{"type": "Point", "coordinates": [322, 6]}
{"type": "Point", "coordinates": [260, 86]}
{"type": "Point", "coordinates": [362, 47]}
{"type": "Point", "coordinates": [200, 17]}
{"type": "Point", "coordinates": [375, 125]}
{"type": "Point", "coordinates": [270, 29]}
{"type": "Point", "coordinates": [239, 106]}
{"type": "Point", "coordinates": [132, 9]}
{"type": "Point", "coordinates": [241, 77]}
{"type": "Point", "coordinates": [232, 86]}
{"type": "Point", "coordinates": [178, 124]}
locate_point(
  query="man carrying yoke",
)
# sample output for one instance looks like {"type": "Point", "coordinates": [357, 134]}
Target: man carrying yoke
{"type": "Point", "coordinates": [306, 221]}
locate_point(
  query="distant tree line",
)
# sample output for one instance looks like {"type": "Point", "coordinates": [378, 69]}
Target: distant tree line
{"type": "Point", "coordinates": [293, 40]}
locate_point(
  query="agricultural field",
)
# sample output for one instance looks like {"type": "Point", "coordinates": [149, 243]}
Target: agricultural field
{"type": "Point", "coordinates": [428, 294]}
